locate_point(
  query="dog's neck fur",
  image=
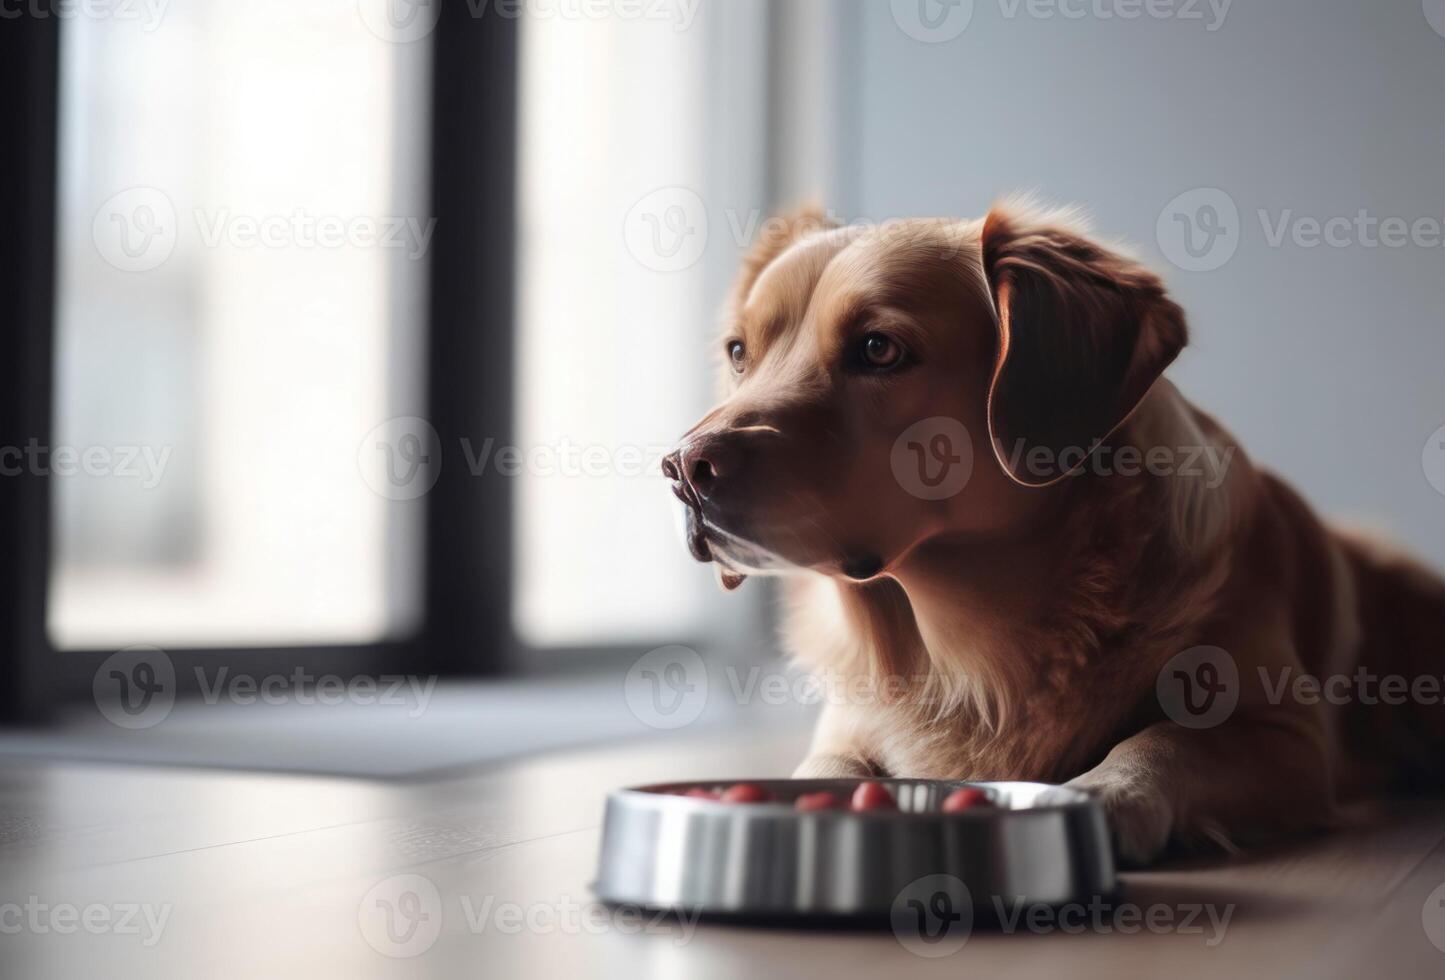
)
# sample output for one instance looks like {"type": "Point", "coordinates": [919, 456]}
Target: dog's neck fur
{"type": "Point", "coordinates": [991, 632]}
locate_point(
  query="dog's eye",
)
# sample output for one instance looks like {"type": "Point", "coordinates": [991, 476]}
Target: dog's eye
{"type": "Point", "coordinates": [880, 352]}
{"type": "Point", "coordinates": [738, 354]}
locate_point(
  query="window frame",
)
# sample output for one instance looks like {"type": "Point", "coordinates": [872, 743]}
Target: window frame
{"type": "Point", "coordinates": [465, 625]}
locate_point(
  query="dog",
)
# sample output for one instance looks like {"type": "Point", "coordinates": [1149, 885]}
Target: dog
{"type": "Point", "coordinates": [925, 428]}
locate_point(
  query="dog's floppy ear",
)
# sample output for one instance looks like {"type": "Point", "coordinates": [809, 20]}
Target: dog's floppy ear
{"type": "Point", "coordinates": [1083, 333]}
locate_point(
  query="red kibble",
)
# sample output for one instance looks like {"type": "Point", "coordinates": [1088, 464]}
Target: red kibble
{"type": "Point", "coordinates": [967, 798]}
{"type": "Point", "coordinates": [698, 793]}
{"type": "Point", "coordinates": [873, 796]}
{"type": "Point", "coordinates": [810, 802]}
{"type": "Point", "coordinates": [745, 793]}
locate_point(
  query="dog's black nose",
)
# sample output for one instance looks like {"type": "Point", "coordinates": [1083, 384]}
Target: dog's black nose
{"type": "Point", "coordinates": [699, 464]}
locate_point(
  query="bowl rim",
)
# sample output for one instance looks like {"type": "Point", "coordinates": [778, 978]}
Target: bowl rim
{"type": "Point", "coordinates": [668, 794]}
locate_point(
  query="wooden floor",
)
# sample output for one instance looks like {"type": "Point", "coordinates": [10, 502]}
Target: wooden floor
{"type": "Point", "coordinates": [277, 875]}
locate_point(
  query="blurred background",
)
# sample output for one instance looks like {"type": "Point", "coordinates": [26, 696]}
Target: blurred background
{"type": "Point", "coordinates": [366, 324]}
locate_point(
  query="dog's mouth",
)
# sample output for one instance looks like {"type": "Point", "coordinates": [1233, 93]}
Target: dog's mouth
{"type": "Point", "coordinates": [735, 556]}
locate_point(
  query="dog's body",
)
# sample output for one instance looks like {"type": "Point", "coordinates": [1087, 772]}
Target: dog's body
{"type": "Point", "coordinates": [1017, 629]}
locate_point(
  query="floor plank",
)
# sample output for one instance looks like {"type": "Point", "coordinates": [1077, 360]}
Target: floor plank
{"type": "Point", "coordinates": [265, 874]}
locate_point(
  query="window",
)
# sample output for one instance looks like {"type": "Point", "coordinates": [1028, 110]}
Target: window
{"type": "Point", "coordinates": [241, 278]}
{"type": "Point", "coordinates": [630, 228]}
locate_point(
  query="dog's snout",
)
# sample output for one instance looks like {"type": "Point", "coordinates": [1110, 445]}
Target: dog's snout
{"type": "Point", "coordinates": [701, 463]}
{"type": "Point", "coordinates": [701, 472]}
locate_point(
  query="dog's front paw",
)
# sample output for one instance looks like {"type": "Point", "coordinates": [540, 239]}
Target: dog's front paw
{"type": "Point", "coordinates": [1140, 816]}
{"type": "Point", "coordinates": [827, 766]}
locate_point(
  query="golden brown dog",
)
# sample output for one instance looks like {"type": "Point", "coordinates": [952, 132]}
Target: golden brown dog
{"type": "Point", "coordinates": [1015, 539]}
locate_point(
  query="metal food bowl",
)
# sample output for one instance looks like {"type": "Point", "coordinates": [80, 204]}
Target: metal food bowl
{"type": "Point", "coordinates": [1037, 844]}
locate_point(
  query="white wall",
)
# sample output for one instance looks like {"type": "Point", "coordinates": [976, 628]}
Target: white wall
{"type": "Point", "coordinates": [1325, 361]}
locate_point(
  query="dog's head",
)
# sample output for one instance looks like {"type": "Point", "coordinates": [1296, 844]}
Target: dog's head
{"type": "Point", "coordinates": [888, 385]}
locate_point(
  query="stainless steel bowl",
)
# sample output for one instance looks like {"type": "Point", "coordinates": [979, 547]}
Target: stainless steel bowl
{"type": "Point", "coordinates": [1038, 844]}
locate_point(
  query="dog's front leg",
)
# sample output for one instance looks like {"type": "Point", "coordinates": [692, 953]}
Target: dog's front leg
{"type": "Point", "coordinates": [1254, 776]}
{"type": "Point", "coordinates": [837, 751]}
